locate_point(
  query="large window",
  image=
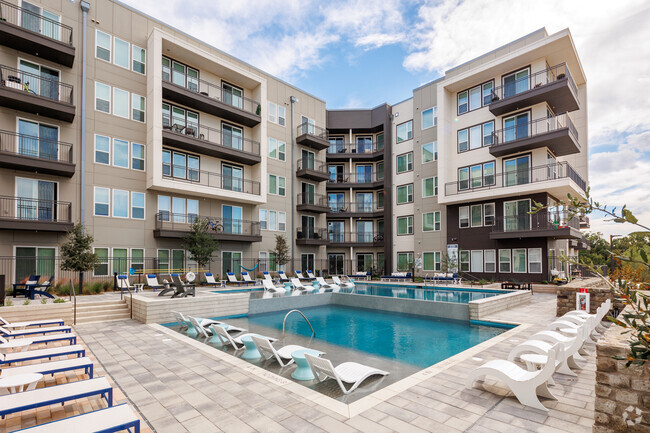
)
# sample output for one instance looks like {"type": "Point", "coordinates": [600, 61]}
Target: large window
{"type": "Point", "coordinates": [120, 103]}
{"type": "Point", "coordinates": [404, 261]}
{"type": "Point", "coordinates": [273, 220]}
{"type": "Point", "coordinates": [463, 217]}
{"type": "Point", "coordinates": [405, 194]}
{"type": "Point", "coordinates": [405, 162]}
{"type": "Point", "coordinates": [429, 117]}
{"type": "Point", "coordinates": [405, 131]}
{"type": "Point", "coordinates": [535, 260]}
{"type": "Point", "coordinates": [519, 260]}
{"type": "Point", "coordinates": [516, 127]}
{"type": "Point", "coordinates": [475, 98]}
{"type": "Point", "coordinates": [277, 149]}
{"type": "Point", "coordinates": [103, 46]}
{"type": "Point", "coordinates": [38, 140]}
{"type": "Point", "coordinates": [232, 95]}
{"type": "Point", "coordinates": [39, 199]}
{"type": "Point", "coordinates": [516, 215]}
{"type": "Point", "coordinates": [429, 152]}
{"type": "Point", "coordinates": [431, 261]}
{"type": "Point", "coordinates": [476, 176]}
{"type": "Point", "coordinates": [431, 221]}
{"type": "Point", "coordinates": [180, 165]}
{"type": "Point", "coordinates": [102, 201]}
{"type": "Point", "coordinates": [517, 170]}
{"type": "Point", "coordinates": [39, 20]}
{"type": "Point", "coordinates": [277, 185]}
{"type": "Point", "coordinates": [232, 136]}
{"type": "Point", "coordinates": [504, 261]}
{"type": "Point", "coordinates": [477, 261]}
{"type": "Point", "coordinates": [102, 150]}
{"type": "Point", "coordinates": [120, 153]}
{"type": "Point", "coordinates": [122, 53]}
{"type": "Point", "coordinates": [490, 261]}
{"type": "Point", "coordinates": [102, 97]}
{"type": "Point", "coordinates": [405, 225]}
{"type": "Point", "coordinates": [475, 137]}
{"type": "Point", "coordinates": [120, 203]}
{"type": "Point", "coordinates": [430, 187]}
{"type": "Point", "coordinates": [516, 82]}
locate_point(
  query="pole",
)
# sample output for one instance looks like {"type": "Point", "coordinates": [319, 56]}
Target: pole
{"type": "Point", "coordinates": [85, 6]}
{"type": "Point", "coordinates": [293, 100]}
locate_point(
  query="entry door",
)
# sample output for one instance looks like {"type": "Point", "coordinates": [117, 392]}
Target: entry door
{"type": "Point", "coordinates": [364, 144]}
{"type": "Point", "coordinates": [364, 262]}
{"type": "Point", "coordinates": [364, 173]}
{"type": "Point", "coordinates": [517, 171]}
{"type": "Point", "coordinates": [364, 202]}
{"type": "Point", "coordinates": [307, 160]}
{"type": "Point", "coordinates": [336, 230]}
{"type": "Point", "coordinates": [232, 219]}
{"type": "Point", "coordinates": [308, 226]}
{"type": "Point", "coordinates": [516, 215]}
{"type": "Point", "coordinates": [364, 231]}
{"type": "Point", "coordinates": [307, 262]}
{"type": "Point", "coordinates": [230, 262]}
{"type": "Point", "coordinates": [36, 199]}
{"type": "Point", "coordinates": [37, 140]}
{"type": "Point", "coordinates": [233, 178]}
{"type": "Point", "coordinates": [308, 191]}
{"type": "Point", "coordinates": [335, 264]}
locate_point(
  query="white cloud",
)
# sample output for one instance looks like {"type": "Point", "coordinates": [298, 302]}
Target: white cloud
{"type": "Point", "coordinates": [377, 40]}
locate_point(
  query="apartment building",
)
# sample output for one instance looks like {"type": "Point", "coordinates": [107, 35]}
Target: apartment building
{"type": "Point", "coordinates": [114, 119]}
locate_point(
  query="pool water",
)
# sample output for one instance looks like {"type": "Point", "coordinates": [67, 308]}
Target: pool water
{"type": "Point", "coordinates": [437, 294]}
{"type": "Point", "coordinates": [416, 340]}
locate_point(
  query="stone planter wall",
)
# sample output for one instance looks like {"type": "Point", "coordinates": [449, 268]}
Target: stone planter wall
{"type": "Point", "coordinates": [599, 293]}
{"type": "Point", "coordinates": [622, 394]}
{"type": "Point", "coordinates": [481, 308]}
{"type": "Point", "coordinates": [37, 311]}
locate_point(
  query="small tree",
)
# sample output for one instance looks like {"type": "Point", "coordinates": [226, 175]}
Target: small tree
{"type": "Point", "coordinates": [77, 254]}
{"type": "Point", "coordinates": [281, 250]}
{"type": "Point", "coordinates": [200, 244]}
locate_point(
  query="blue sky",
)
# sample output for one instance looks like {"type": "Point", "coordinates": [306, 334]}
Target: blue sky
{"type": "Point", "coordinates": [356, 53]}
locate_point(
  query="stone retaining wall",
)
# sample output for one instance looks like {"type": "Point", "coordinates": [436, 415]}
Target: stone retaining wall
{"type": "Point", "coordinates": [481, 308]}
{"type": "Point", "coordinates": [599, 293]}
{"type": "Point", "coordinates": [37, 311]}
{"type": "Point", "coordinates": [622, 394]}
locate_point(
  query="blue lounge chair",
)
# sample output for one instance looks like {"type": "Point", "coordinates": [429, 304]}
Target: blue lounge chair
{"type": "Point", "coordinates": [396, 276]}
{"type": "Point", "coordinates": [283, 277]}
{"type": "Point", "coordinates": [232, 279]}
{"type": "Point", "coordinates": [33, 331]}
{"type": "Point", "coordinates": [52, 367]}
{"type": "Point", "coordinates": [39, 323]}
{"type": "Point", "coordinates": [111, 419]}
{"type": "Point", "coordinates": [49, 338]}
{"type": "Point", "coordinates": [30, 355]}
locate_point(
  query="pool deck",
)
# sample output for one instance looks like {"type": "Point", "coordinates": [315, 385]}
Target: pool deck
{"type": "Point", "coordinates": [176, 388]}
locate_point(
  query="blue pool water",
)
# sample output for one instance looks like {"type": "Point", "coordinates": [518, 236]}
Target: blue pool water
{"type": "Point", "coordinates": [416, 340]}
{"type": "Point", "coordinates": [438, 294]}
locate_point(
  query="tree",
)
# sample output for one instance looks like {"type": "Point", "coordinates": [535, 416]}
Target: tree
{"type": "Point", "coordinates": [200, 244]}
{"type": "Point", "coordinates": [598, 252]}
{"type": "Point", "coordinates": [78, 255]}
{"type": "Point", "coordinates": [281, 250]}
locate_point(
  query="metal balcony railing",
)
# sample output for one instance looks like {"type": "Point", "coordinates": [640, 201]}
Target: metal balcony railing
{"type": "Point", "coordinates": [30, 209]}
{"type": "Point", "coordinates": [35, 147]}
{"type": "Point", "coordinates": [311, 129]}
{"type": "Point", "coordinates": [194, 176]}
{"type": "Point", "coordinates": [354, 207]}
{"type": "Point", "coordinates": [183, 222]}
{"type": "Point", "coordinates": [312, 199]}
{"type": "Point", "coordinates": [214, 91]}
{"type": "Point", "coordinates": [35, 22]}
{"type": "Point", "coordinates": [363, 177]}
{"type": "Point", "coordinates": [355, 148]}
{"type": "Point", "coordinates": [311, 234]}
{"type": "Point", "coordinates": [543, 173]}
{"type": "Point", "coordinates": [355, 237]}
{"type": "Point", "coordinates": [538, 221]}
{"type": "Point", "coordinates": [35, 84]}
{"type": "Point", "coordinates": [533, 128]}
{"type": "Point", "coordinates": [211, 135]}
{"type": "Point", "coordinates": [538, 79]}
{"type": "Point", "coordinates": [312, 164]}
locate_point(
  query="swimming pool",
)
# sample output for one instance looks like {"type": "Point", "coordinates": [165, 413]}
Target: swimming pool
{"type": "Point", "coordinates": [437, 294]}
{"type": "Point", "coordinates": [415, 340]}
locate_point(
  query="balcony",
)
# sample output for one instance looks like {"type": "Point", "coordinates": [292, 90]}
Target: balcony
{"type": "Point", "coordinates": [356, 239]}
{"type": "Point", "coordinates": [213, 99]}
{"type": "Point", "coordinates": [357, 151]}
{"type": "Point", "coordinates": [540, 225]}
{"type": "Point", "coordinates": [212, 142]}
{"type": "Point", "coordinates": [312, 169]}
{"type": "Point", "coordinates": [354, 209]}
{"type": "Point", "coordinates": [363, 180]}
{"type": "Point", "coordinates": [579, 244]}
{"type": "Point", "coordinates": [556, 133]}
{"type": "Point", "coordinates": [554, 86]}
{"type": "Point", "coordinates": [34, 94]}
{"type": "Point", "coordinates": [37, 155]}
{"type": "Point", "coordinates": [18, 213]}
{"type": "Point", "coordinates": [312, 136]}
{"type": "Point", "coordinates": [177, 226]}
{"type": "Point", "coordinates": [316, 203]}
{"type": "Point", "coordinates": [32, 33]}
{"type": "Point", "coordinates": [191, 177]}
{"type": "Point", "coordinates": [510, 182]}
{"type": "Point", "coordinates": [311, 236]}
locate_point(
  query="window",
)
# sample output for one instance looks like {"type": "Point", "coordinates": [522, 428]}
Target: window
{"type": "Point", "coordinates": [516, 217]}
{"type": "Point", "coordinates": [380, 199]}
{"type": "Point", "coordinates": [277, 149]}
{"type": "Point", "coordinates": [282, 115]}
{"type": "Point", "coordinates": [462, 102]}
{"type": "Point", "coordinates": [477, 217]}
{"type": "Point", "coordinates": [405, 194]}
{"type": "Point", "coordinates": [404, 225]}
{"type": "Point", "coordinates": [282, 221]}
{"type": "Point", "coordinates": [463, 140]}
{"type": "Point", "coordinates": [431, 221]}
{"type": "Point", "coordinates": [103, 46]}
{"type": "Point", "coordinates": [475, 140]}
{"type": "Point", "coordinates": [404, 261]}
{"type": "Point", "coordinates": [273, 220]}
{"type": "Point", "coordinates": [38, 140]}
{"type": "Point", "coordinates": [137, 156]}
{"type": "Point", "coordinates": [277, 113]}
{"type": "Point", "coordinates": [517, 170]}
{"type": "Point", "coordinates": [232, 136]}
{"type": "Point", "coordinates": [405, 162]}
{"type": "Point", "coordinates": [429, 187]}
{"type": "Point", "coordinates": [119, 259]}
{"type": "Point", "coordinates": [475, 137]}
{"type": "Point", "coordinates": [102, 150]}
{"type": "Point", "coordinates": [232, 95]}
{"type": "Point", "coordinates": [120, 153]}
{"type": "Point", "coordinates": [463, 217]}
{"type": "Point", "coordinates": [504, 261]}
{"type": "Point", "coordinates": [137, 259]}
{"type": "Point", "coordinates": [431, 261]}
{"type": "Point", "coordinates": [273, 113]}
{"type": "Point", "coordinates": [182, 166]}
{"type": "Point", "coordinates": [488, 214]}
{"type": "Point", "coordinates": [307, 125]}
{"type": "Point", "coordinates": [380, 141]}
{"type": "Point", "coordinates": [263, 219]}
{"type": "Point", "coordinates": [516, 82]}
{"type": "Point", "coordinates": [139, 60]}
{"type": "Point", "coordinates": [487, 92]}
{"type": "Point", "coordinates": [138, 104]}
{"type": "Point", "coordinates": [430, 117]}
{"type": "Point", "coordinates": [164, 207]}
{"type": "Point", "coordinates": [488, 130]}
{"type": "Point", "coordinates": [102, 97]}
{"type": "Point", "coordinates": [477, 261]}
{"type": "Point", "coordinates": [163, 261]}
{"type": "Point", "coordinates": [137, 205]}
{"type": "Point", "coordinates": [429, 152]}
{"type": "Point", "coordinates": [464, 261]}
{"type": "Point", "coordinates": [102, 201]}
{"type": "Point", "coordinates": [102, 266]}
{"type": "Point", "coordinates": [122, 53]}
{"type": "Point", "coordinates": [516, 127]}
{"type": "Point", "coordinates": [519, 260]}
{"type": "Point", "coordinates": [476, 176]}
{"type": "Point", "coordinates": [120, 203]}
{"type": "Point", "coordinates": [277, 185]}
{"type": "Point", "coordinates": [490, 261]}
{"type": "Point", "coordinates": [405, 131]}
{"type": "Point", "coordinates": [120, 103]}
{"type": "Point", "coordinates": [380, 170]}
{"type": "Point", "coordinates": [475, 98]}
{"type": "Point", "coordinates": [488, 173]}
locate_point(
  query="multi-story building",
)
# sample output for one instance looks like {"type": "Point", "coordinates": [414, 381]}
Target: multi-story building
{"type": "Point", "coordinates": [114, 119]}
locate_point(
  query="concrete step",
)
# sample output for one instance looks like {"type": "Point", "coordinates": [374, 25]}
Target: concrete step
{"type": "Point", "coordinates": [99, 303]}
{"type": "Point", "coordinates": [103, 318]}
{"type": "Point", "coordinates": [101, 307]}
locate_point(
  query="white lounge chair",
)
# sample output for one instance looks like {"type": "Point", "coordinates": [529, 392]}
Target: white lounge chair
{"type": "Point", "coordinates": [52, 367]}
{"type": "Point", "coordinates": [569, 327]}
{"type": "Point", "coordinates": [247, 278]}
{"type": "Point", "coordinates": [232, 279]}
{"type": "Point", "coordinates": [49, 338]}
{"type": "Point", "coordinates": [526, 385]}
{"type": "Point", "coordinates": [325, 285]}
{"type": "Point", "coordinates": [114, 418]}
{"type": "Point", "coordinates": [21, 325]}
{"type": "Point", "coordinates": [346, 285]}
{"type": "Point", "coordinates": [553, 337]}
{"type": "Point", "coordinates": [267, 277]}
{"type": "Point", "coordinates": [348, 372]}
{"type": "Point", "coordinates": [205, 330]}
{"type": "Point", "coordinates": [123, 283]}
{"type": "Point", "coordinates": [298, 287]}
{"type": "Point", "coordinates": [209, 278]}
{"type": "Point", "coordinates": [311, 275]}
{"type": "Point", "coordinates": [271, 288]}
{"type": "Point", "coordinates": [50, 352]}
{"type": "Point", "coordinates": [300, 275]}
{"type": "Point", "coordinates": [152, 281]}
{"type": "Point", "coordinates": [235, 342]}
{"type": "Point", "coordinates": [34, 331]}
{"type": "Point", "coordinates": [283, 277]}
{"type": "Point", "coordinates": [282, 355]}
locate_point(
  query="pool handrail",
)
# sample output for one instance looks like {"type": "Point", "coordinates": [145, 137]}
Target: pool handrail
{"type": "Point", "coordinates": [303, 316]}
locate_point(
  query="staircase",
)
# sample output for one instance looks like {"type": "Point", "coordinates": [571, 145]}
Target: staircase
{"type": "Point", "coordinates": [102, 311]}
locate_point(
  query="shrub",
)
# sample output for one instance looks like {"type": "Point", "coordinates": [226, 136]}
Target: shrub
{"type": "Point", "coordinates": [27, 302]}
{"type": "Point", "coordinates": [107, 285]}
{"type": "Point", "coordinates": [8, 302]}
{"type": "Point", "coordinates": [59, 301]}
{"type": "Point", "coordinates": [93, 288]}
{"type": "Point", "coordinates": [44, 301]}
{"type": "Point", "coordinates": [483, 282]}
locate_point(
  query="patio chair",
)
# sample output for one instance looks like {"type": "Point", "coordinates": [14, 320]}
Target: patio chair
{"type": "Point", "coordinates": [51, 352]}
{"type": "Point", "coordinates": [348, 372]}
{"type": "Point", "coordinates": [114, 418]}
{"type": "Point", "coordinates": [235, 342]}
{"type": "Point", "coordinates": [232, 279]}
{"type": "Point", "coordinates": [526, 385]}
{"type": "Point", "coordinates": [124, 284]}
{"type": "Point", "coordinates": [267, 276]}
{"type": "Point", "coordinates": [325, 285]}
{"type": "Point", "coordinates": [341, 284]}
{"type": "Point", "coordinates": [24, 288]}
{"type": "Point", "coordinates": [209, 278]}
{"type": "Point", "coordinates": [42, 288]}
{"type": "Point", "coordinates": [34, 331]}
{"type": "Point", "coordinates": [152, 281]}
{"type": "Point", "coordinates": [247, 278]}
{"type": "Point", "coordinates": [282, 355]}
{"type": "Point", "coordinates": [205, 330]}
{"type": "Point", "coordinates": [298, 287]}
{"type": "Point", "coordinates": [271, 288]}
{"type": "Point", "coordinates": [283, 277]}
{"type": "Point", "coordinates": [300, 276]}
{"type": "Point", "coordinates": [49, 338]}
{"type": "Point", "coordinates": [204, 323]}
{"type": "Point", "coordinates": [311, 275]}
{"type": "Point", "coordinates": [182, 289]}
{"type": "Point", "coordinates": [22, 325]}
{"type": "Point", "coordinates": [52, 367]}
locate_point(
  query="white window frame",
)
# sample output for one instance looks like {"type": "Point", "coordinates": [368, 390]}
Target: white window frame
{"type": "Point", "coordinates": [434, 117]}
{"type": "Point", "coordinates": [144, 204]}
{"type": "Point", "coordinates": [110, 46]}
{"type": "Point", "coordinates": [110, 145]}
{"type": "Point", "coordinates": [461, 210]}
{"type": "Point", "coordinates": [508, 262]}
{"type": "Point", "coordinates": [264, 217]}
{"type": "Point", "coordinates": [486, 206]}
{"type": "Point", "coordinates": [128, 103]}
{"type": "Point", "coordinates": [128, 203]}
{"type": "Point", "coordinates": [525, 271]}
{"type": "Point", "coordinates": [409, 131]}
{"type": "Point", "coordinates": [530, 262]}
{"type": "Point", "coordinates": [436, 261]}
{"type": "Point", "coordinates": [143, 159]}
{"type": "Point", "coordinates": [434, 152]}
{"type": "Point", "coordinates": [128, 51]}
{"type": "Point", "coordinates": [133, 59]}
{"type": "Point", "coordinates": [282, 115]}
{"type": "Point", "coordinates": [110, 97]}
{"type": "Point", "coordinates": [433, 180]}
{"type": "Point", "coordinates": [492, 262]}
{"type": "Point", "coordinates": [144, 110]}
{"type": "Point", "coordinates": [114, 153]}
{"type": "Point", "coordinates": [95, 202]}
{"type": "Point", "coordinates": [471, 216]}
{"type": "Point", "coordinates": [282, 219]}
{"type": "Point", "coordinates": [407, 193]}
{"type": "Point", "coordinates": [462, 262]}
{"type": "Point", "coordinates": [476, 258]}
{"type": "Point", "coordinates": [108, 261]}
{"type": "Point", "coordinates": [409, 225]}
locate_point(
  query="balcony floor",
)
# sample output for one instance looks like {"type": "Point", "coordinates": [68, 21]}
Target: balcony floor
{"type": "Point", "coordinates": [27, 41]}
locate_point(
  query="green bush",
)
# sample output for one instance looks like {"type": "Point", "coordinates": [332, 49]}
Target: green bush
{"type": "Point", "coordinates": [59, 301]}
{"type": "Point", "coordinates": [8, 302]}
{"type": "Point", "coordinates": [44, 301]}
{"type": "Point", "coordinates": [27, 302]}
{"type": "Point", "coordinates": [93, 288]}
{"type": "Point", "coordinates": [107, 285]}
{"type": "Point", "coordinates": [483, 282]}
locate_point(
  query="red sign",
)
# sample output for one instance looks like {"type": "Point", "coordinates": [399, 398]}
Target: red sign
{"type": "Point", "coordinates": [584, 290]}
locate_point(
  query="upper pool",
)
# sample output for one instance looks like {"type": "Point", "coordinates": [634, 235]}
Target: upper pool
{"type": "Point", "coordinates": [438, 294]}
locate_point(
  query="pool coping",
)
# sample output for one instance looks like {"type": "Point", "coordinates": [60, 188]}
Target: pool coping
{"type": "Point", "coordinates": [365, 403]}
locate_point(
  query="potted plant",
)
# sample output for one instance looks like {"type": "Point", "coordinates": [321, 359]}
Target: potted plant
{"type": "Point", "coordinates": [259, 110]}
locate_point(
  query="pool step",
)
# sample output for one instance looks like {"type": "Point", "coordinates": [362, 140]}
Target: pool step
{"type": "Point", "coordinates": [102, 311]}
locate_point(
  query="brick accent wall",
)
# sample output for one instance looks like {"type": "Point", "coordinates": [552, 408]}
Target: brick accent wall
{"type": "Point", "coordinates": [599, 293]}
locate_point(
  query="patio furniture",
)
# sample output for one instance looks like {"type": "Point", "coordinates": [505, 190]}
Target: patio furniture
{"type": "Point", "coordinates": [360, 274]}
{"type": "Point", "coordinates": [19, 383]}
{"type": "Point", "coordinates": [49, 338]}
{"type": "Point", "coordinates": [247, 278]}
{"type": "Point", "coordinates": [152, 281]}
{"type": "Point", "coordinates": [52, 367]}
{"type": "Point", "coordinates": [204, 330]}
{"type": "Point", "coordinates": [311, 275]}
{"type": "Point", "coordinates": [303, 371]}
{"type": "Point", "coordinates": [30, 355]}
{"type": "Point", "coordinates": [341, 284]}
{"type": "Point", "coordinates": [39, 323]}
{"type": "Point", "coordinates": [348, 372]}
{"type": "Point", "coordinates": [282, 355]}
{"type": "Point", "coordinates": [299, 287]}
{"type": "Point", "coordinates": [111, 419]}
{"type": "Point", "coordinates": [232, 279]}
{"type": "Point", "coordinates": [209, 278]}
{"type": "Point", "coordinates": [15, 345]}
{"type": "Point", "coordinates": [44, 287]}
{"type": "Point", "coordinates": [34, 331]}
{"type": "Point", "coordinates": [26, 287]}
{"type": "Point", "coordinates": [327, 286]}
{"type": "Point", "coordinates": [301, 277]}
{"type": "Point", "coordinates": [123, 283]}
{"type": "Point", "coordinates": [271, 288]}
{"type": "Point", "coordinates": [181, 289]}
{"type": "Point", "coordinates": [283, 276]}
{"type": "Point", "coordinates": [236, 342]}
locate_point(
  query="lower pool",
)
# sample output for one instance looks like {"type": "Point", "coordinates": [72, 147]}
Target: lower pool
{"type": "Point", "coordinates": [437, 294]}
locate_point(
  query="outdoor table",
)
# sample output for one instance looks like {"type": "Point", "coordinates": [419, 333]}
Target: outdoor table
{"type": "Point", "coordinates": [251, 351]}
{"type": "Point", "coordinates": [535, 361]}
{"type": "Point", "coordinates": [287, 287]}
{"type": "Point", "coordinates": [15, 345]}
{"type": "Point", "coordinates": [303, 371]}
{"type": "Point", "coordinates": [20, 382]}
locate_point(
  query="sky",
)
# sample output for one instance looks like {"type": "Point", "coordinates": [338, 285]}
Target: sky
{"type": "Point", "coordinates": [356, 54]}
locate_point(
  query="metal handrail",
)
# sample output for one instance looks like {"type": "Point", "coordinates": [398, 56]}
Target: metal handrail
{"type": "Point", "coordinates": [354, 206]}
{"type": "Point", "coordinates": [213, 180]}
{"type": "Point", "coordinates": [354, 148]}
{"type": "Point", "coordinates": [317, 233]}
{"type": "Point", "coordinates": [312, 164]}
{"type": "Point", "coordinates": [538, 79]}
{"type": "Point", "coordinates": [183, 221]}
{"type": "Point", "coordinates": [355, 237]}
{"type": "Point", "coordinates": [43, 87]}
{"type": "Point", "coordinates": [35, 147]}
{"type": "Point", "coordinates": [539, 221]}
{"type": "Point", "coordinates": [533, 128]}
{"type": "Point", "coordinates": [303, 316]}
{"type": "Point", "coordinates": [31, 209]}
{"type": "Point", "coordinates": [311, 129]}
{"type": "Point", "coordinates": [10, 14]}
{"type": "Point", "coordinates": [354, 177]}
{"type": "Point", "coordinates": [312, 199]}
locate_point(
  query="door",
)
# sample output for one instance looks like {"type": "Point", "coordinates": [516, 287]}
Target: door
{"type": "Point", "coordinates": [233, 178]}
{"type": "Point", "coordinates": [364, 173]}
{"type": "Point", "coordinates": [307, 262]}
{"type": "Point", "coordinates": [232, 219]}
{"type": "Point", "coordinates": [517, 171]}
{"type": "Point", "coordinates": [335, 264]}
{"type": "Point", "coordinates": [335, 230]}
{"type": "Point", "coordinates": [308, 193]}
{"type": "Point", "coordinates": [364, 262]}
{"type": "Point", "coordinates": [516, 127]}
{"type": "Point", "coordinates": [308, 226]}
{"type": "Point", "coordinates": [364, 231]}
{"type": "Point", "coordinates": [230, 262]}
{"type": "Point", "coordinates": [32, 260]}
{"type": "Point", "coordinates": [336, 202]}
{"type": "Point", "coordinates": [336, 145]}
{"type": "Point", "coordinates": [364, 144]}
{"type": "Point", "coordinates": [36, 199]}
{"type": "Point", "coordinates": [336, 173]}
{"type": "Point", "coordinates": [516, 83]}
{"type": "Point", "coordinates": [307, 160]}
{"type": "Point", "coordinates": [364, 202]}
{"type": "Point", "coordinates": [516, 215]}
{"type": "Point", "coordinates": [233, 95]}
{"type": "Point", "coordinates": [37, 140]}
{"type": "Point", "coordinates": [232, 136]}
{"type": "Point", "coordinates": [307, 125]}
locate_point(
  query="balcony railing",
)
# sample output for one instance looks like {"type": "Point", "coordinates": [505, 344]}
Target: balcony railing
{"type": "Point", "coordinates": [312, 199]}
{"type": "Point", "coordinates": [30, 209]}
{"type": "Point", "coordinates": [538, 221]}
{"type": "Point", "coordinates": [536, 127]}
{"type": "Point", "coordinates": [211, 135]}
{"type": "Point", "coordinates": [193, 176]}
{"type": "Point", "coordinates": [35, 84]}
{"type": "Point", "coordinates": [543, 173]}
{"type": "Point", "coordinates": [214, 91]}
{"type": "Point", "coordinates": [355, 237]}
{"type": "Point", "coordinates": [218, 225]}
{"type": "Point", "coordinates": [35, 147]}
{"type": "Point", "coordinates": [355, 148]}
{"type": "Point", "coordinates": [353, 207]}
{"type": "Point", "coordinates": [312, 164]}
{"type": "Point", "coordinates": [365, 177]}
{"type": "Point", "coordinates": [35, 22]}
{"type": "Point", "coordinates": [311, 129]}
{"type": "Point", "coordinates": [311, 234]}
{"type": "Point", "coordinates": [533, 81]}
